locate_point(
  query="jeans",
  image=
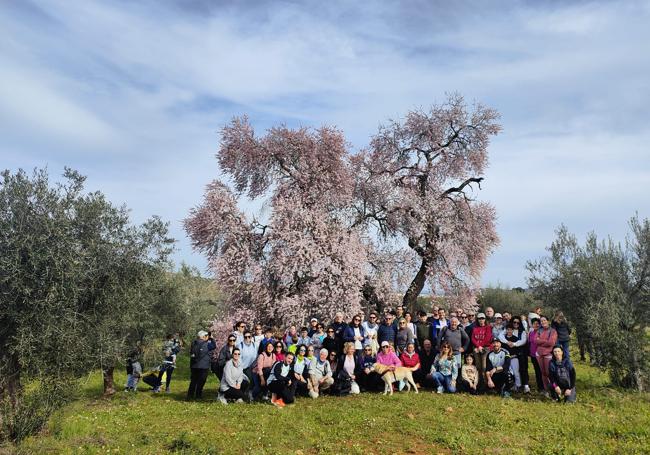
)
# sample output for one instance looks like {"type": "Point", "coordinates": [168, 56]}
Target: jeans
{"type": "Point", "coordinates": [443, 381]}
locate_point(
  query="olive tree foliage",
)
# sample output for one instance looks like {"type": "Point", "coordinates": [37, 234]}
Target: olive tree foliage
{"type": "Point", "coordinates": [516, 301]}
{"type": "Point", "coordinates": [75, 281]}
{"type": "Point", "coordinates": [604, 288]}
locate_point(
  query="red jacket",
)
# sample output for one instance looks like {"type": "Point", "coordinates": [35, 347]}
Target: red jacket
{"type": "Point", "coordinates": [482, 336]}
{"type": "Point", "coordinates": [409, 361]}
{"type": "Point", "coordinates": [545, 340]}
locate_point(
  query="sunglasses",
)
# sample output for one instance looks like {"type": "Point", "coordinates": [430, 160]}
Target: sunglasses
{"type": "Point", "coordinates": [330, 331]}
{"type": "Point", "coordinates": [230, 340]}
{"type": "Point", "coordinates": [236, 353]}
{"type": "Point", "coordinates": [302, 350]}
{"type": "Point", "coordinates": [247, 336]}
{"type": "Point", "coordinates": [385, 347]}
{"type": "Point", "coordinates": [357, 320]}
{"type": "Point", "coordinates": [278, 347]}
{"type": "Point", "coordinates": [368, 350]}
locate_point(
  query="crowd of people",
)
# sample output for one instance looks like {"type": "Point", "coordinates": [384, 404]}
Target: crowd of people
{"type": "Point", "coordinates": [462, 351]}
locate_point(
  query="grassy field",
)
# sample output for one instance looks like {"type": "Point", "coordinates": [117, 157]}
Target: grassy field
{"type": "Point", "coordinates": [604, 420]}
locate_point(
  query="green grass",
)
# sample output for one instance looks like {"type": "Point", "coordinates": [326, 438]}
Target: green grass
{"type": "Point", "coordinates": [605, 420]}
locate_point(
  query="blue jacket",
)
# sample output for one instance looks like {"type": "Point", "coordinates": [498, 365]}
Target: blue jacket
{"type": "Point", "coordinates": [386, 333]}
{"type": "Point", "coordinates": [348, 333]}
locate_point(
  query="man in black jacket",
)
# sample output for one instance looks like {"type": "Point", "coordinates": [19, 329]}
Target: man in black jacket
{"type": "Point", "coordinates": [199, 364]}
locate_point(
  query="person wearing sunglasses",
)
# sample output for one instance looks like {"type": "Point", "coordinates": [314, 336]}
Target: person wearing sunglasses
{"type": "Point", "coordinates": [320, 374]}
{"type": "Point", "coordinates": [279, 351]}
{"type": "Point", "coordinates": [240, 328]}
{"type": "Point", "coordinates": [370, 327]}
{"type": "Point", "coordinates": [258, 336]}
{"type": "Point", "coordinates": [386, 331]}
{"type": "Point", "coordinates": [268, 338]}
{"type": "Point", "coordinates": [318, 336]}
{"type": "Point", "coordinates": [355, 334]}
{"type": "Point", "coordinates": [404, 336]}
{"type": "Point", "coordinates": [311, 354]}
{"type": "Point", "coordinates": [329, 342]}
{"type": "Point", "coordinates": [301, 370]}
{"type": "Point", "coordinates": [235, 383]}
{"type": "Point", "coordinates": [368, 378]}
{"type": "Point", "coordinates": [248, 356]}
{"type": "Point", "coordinates": [225, 354]}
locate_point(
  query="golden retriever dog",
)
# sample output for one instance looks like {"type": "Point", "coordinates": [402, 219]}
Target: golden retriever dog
{"type": "Point", "coordinates": [397, 375]}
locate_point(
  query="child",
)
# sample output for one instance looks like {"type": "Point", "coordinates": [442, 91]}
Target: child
{"type": "Point", "coordinates": [129, 373]}
{"type": "Point", "coordinates": [469, 376]}
{"type": "Point", "coordinates": [135, 376]}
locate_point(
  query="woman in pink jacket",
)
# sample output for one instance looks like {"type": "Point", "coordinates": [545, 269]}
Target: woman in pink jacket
{"type": "Point", "coordinates": [546, 338]}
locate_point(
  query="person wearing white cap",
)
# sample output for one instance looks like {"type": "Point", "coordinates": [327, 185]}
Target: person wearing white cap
{"type": "Point", "coordinates": [497, 325]}
{"type": "Point", "coordinates": [199, 364]}
{"type": "Point", "coordinates": [313, 327]}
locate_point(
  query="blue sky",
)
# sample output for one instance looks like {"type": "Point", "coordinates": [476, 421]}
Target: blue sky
{"type": "Point", "coordinates": [132, 94]}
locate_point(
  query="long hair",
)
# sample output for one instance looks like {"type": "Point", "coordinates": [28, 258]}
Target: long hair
{"type": "Point", "coordinates": [444, 345]}
{"type": "Point", "coordinates": [559, 317]}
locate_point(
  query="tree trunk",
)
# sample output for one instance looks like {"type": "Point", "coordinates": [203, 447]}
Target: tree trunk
{"type": "Point", "coordinates": [10, 386]}
{"type": "Point", "coordinates": [109, 386]}
{"type": "Point", "coordinates": [411, 297]}
{"type": "Point", "coordinates": [637, 374]}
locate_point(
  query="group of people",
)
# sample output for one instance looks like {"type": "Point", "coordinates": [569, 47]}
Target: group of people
{"type": "Point", "coordinates": [460, 351]}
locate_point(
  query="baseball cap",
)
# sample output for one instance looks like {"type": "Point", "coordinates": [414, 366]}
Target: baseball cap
{"type": "Point", "coordinates": [498, 316]}
{"type": "Point", "coordinates": [385, 343]}
{"type": "Point", "coordinates": [202, 333]}
{"type": "Point", "coordinates": [480, 316]}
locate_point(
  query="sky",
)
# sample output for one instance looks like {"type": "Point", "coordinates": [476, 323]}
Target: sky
{"type": "Point", "coordinates": [133, 94]}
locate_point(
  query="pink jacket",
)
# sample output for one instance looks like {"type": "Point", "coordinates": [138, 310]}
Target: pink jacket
{"type": "Point", "coordinates": [389, 359]}
{"type": "Point", "coordinates": [264, 361]}
{"type": "Point", "coordinates": [545, 340]}
{"type": "Point", "coordinates": [532, 343]}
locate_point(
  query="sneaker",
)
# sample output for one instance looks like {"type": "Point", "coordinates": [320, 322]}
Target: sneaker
{"type": "Point", "coordinates": [440, 390]}
{"type": "Point", "coordinates": [156, 390]}
{"type": "Point", "coordinates": [279, 403]}
{"type": "Point", "coordinates": [526, 389]}
{"type": "Point", "coordinates": [276, 402]}
{"type": "Point", "coordinates": [167, 390]}
{"type": "Point", "coordinates": [313, 394]}
{"type": "Point", "coordinates": [545, 394]}
{"type": "Point", "coordinates": [506, 395]}
{"type": "Point", "coordinates": [222, 398]}
{"type": "Point", "coordinates": [239, 400]}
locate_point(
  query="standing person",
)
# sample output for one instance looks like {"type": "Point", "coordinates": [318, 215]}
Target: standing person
{"type": "Point", "coordinates": [563, 330]}
{"type": "Point", "coordinates": [386, 331]}
{"type": "Point", "coordinates": [355, 334]}
{"type": "Point", "coordinates": [238, 332]}
{"type": "Point", "coordinates": [167, 368]}
{"type": "Point", "coordinates": [290, 337]}
{"type": "Point", "coordinates": [403, 336]}
{"type": "Point", "coordinates": [562, 377]}
{"type": "Point", "coordinates": [532, 351]}
{"type": "Point", "coordinates": [234, 383]}
{"type": "Point", "coordinates": [248, 356]}
{"type": "Point", "coordinates": [441, 322]}
{"type": "Point", "coordinates": [129, 372]}
{"type": "Point", "coordinates": [304, 339]}
{"type": "Point", "coordinates": [262, 370]}
{"type": "Point", "coordinates": [445, 369]}
{"type": "Point", "coordinates": [523, 351]}
{"type": "Point", "coordinates": [318, 336]}
{"type": "Point", "coordinates": [329, 342]}
{"type": "Point", "coordinates": [399, 312]}
{"type": "Point", "coordinates": [282, 383]}
{"type": "Point", "coordinates": [498, 369]}
{"type": "Point", "coordinates": [339, 327]}
{"type": "Point", "coordinates": [434, 315]}
{"type": "Point", "coordinates": [481, 341]}
{"type": "Point", "coordinates": [199, 364]}
{"type": "Point", "coordinates": [497, 325]}
{"type": "Point", "coordinates": [268, 338]}
{"type": "Point", "coordinates": [546, 339]}
{"type": "Point", "coordinates": [370, 327]}
{"type": "Point", "coordinates": [456, 337]}
{"type": "Point", "coordinates": [224, 355]}
{"type": "Point", "coordinates": [422, 329]}
{"type": "Point", "coordinates": [514, 346]}
{"type": "Point", "coordinates": [489, 315]}
{"type": "Point", "coordinates": [258, 336]}
{"type": "Point", "coordinates": [313, 327]}
{"type": "Point", "coordinates": [320, 374]}
{"type": "Point", "coordinates": [409, 323]}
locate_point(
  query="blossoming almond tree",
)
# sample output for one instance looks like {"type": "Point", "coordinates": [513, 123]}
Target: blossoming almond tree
{"type": "Point", "coordinates": [416, 182]}
{"type": "Point", "coordinates": [307, 259]}
{"type": "Point", "coordinates": [349, 226]}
